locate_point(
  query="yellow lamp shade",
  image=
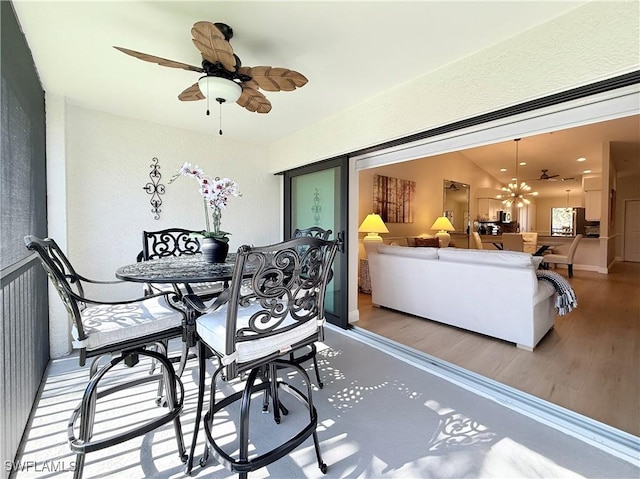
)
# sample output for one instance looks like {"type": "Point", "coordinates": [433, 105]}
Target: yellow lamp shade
{"type": "Point", "coordinates": [373, 225]}
{"type": "Point", "coordinates": [442, 223]}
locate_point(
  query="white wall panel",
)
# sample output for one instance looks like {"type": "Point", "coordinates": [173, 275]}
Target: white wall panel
{"type": "Point", "coordinates": [108, 162]}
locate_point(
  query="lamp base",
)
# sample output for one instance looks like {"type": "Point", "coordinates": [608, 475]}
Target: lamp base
{"type": "Point", "coordinates": [444, 238]}
{"type": "Point", "coordinates": [372, 238]}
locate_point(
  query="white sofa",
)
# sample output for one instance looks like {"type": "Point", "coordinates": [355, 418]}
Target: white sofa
{"type": "Point", "coordinates": [495, 293]}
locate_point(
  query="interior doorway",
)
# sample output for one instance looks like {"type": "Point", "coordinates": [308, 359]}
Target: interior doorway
{"type": "Point", "coordinates": [632, 230]}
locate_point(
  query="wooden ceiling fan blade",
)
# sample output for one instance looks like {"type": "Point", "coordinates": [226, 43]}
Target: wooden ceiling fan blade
{"type": "Point", "coordinates": [211, 42]}
{"type": "Point", "coordinates": [191, 93]}
{"type": "Point", "coordinates": [159, 60]}
{"type": "Point", "coordinates": [253, 100]}
{"type": "Point", "coordinates": [275, 78]}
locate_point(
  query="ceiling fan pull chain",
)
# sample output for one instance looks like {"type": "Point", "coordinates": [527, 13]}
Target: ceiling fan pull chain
{"type": "Point", "coordinates": [208, 113]}
{"type": "Point", "coordinates": [220, 101]}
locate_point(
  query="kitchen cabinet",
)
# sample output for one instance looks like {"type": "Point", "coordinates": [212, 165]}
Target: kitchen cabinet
{"type": "Point", "coordinates": [488, 209]}
{"type": "Point", "coordinates": [592, 183]}
{"type": "Point", "coordinates": [592, 198]}
{"type": "Point", "coordinates": [592, 205]}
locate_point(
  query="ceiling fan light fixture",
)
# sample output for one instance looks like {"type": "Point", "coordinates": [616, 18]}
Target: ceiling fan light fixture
{"type": "Point", "coordinates": [220, 89]}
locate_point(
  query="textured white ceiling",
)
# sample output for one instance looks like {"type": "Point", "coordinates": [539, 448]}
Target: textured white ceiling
{"type": "Point", "coordinates": [349, 50]}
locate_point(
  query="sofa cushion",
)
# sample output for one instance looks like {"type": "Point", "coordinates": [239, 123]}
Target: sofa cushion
{"type": "Point", "coordinates": [424, 253]}
{"type": "Point", "coordinates": [511, 259]}
{"type": "Point", "coordinates": [428, 242]}
{"type": "Point", "coordinates": [396, 241]}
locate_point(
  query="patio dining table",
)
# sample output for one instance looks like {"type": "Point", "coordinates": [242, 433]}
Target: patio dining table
{"type": "Point", "coordinates": [179, 271]}
{"type": "Point", "coordinates": [496, 240]}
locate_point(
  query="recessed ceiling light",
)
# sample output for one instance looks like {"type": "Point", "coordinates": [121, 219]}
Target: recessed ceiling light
{"type": "Point", "coordinates": [581, 159]}
{"type": "Point", "coordinates": [503, 169]}
{"type": "Point", "coordinates": [587, 171]}
{"type": "Point", "coordinates": [522, 163]}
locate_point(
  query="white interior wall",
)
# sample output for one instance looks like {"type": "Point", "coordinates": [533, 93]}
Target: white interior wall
{"type": "Point", "coordinates": [108, 161]}
{"type": "Point", "coordinates": [429, 174]}
{"type": "Point", "coordinates": [627, 188]}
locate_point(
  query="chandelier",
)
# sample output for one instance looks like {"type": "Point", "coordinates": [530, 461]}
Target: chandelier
{"type": "Point", "coordinates": [515, 192]}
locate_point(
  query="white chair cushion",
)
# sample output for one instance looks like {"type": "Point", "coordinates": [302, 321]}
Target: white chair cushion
{"type": "Point", "coordinates": [211, 328]}
{"type": "Point", "coordinates": [200, 289]}
{"type": "Point", "coordinates": [110, 324]}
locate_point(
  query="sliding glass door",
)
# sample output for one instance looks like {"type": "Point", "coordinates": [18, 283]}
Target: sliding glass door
{"type": "Point", "coordinates": [316, 195]}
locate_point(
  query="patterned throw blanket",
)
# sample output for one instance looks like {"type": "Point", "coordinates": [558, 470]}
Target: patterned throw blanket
{"type": "Point", "coordinates": [566, 299]}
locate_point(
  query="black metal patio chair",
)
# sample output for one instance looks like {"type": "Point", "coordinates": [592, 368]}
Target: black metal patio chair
{"type": "Point", "coordinates": [315, 232]}
{"type": "Point", "coordinates": [175, 242]}
{"type": "Point", "coordinates": [252, 331]}
{"type": "Point", "coordinates": [124, 331]}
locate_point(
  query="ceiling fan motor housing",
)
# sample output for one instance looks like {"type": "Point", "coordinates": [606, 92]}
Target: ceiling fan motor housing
{"type": "Point", "coordinates": [225, 29]}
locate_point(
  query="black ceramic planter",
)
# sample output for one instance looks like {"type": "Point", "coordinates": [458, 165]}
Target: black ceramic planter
{"type": "Point", "coordinates": [214, 251]}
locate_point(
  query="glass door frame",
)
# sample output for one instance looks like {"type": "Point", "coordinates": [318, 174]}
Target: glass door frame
{"type": "Point", "coordinates": [341, 162]}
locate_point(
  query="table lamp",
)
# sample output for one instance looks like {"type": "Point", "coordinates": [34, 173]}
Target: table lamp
{"type": "Point", "coordinates": [443, 224]}
{"type": "Point", "coordinates": [373, 225]}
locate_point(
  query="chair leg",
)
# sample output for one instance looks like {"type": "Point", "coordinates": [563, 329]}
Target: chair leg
{"type": "Point", "coordinates": [315, 365]}
{"type": "Point", "coordinates": [201, 385]}
{"type": "Point", "coordinates": [313, 414]}
{"type": "Point", "coordinates": [312, 355]}
{"type": "Point", "coordinates": [85, 411]}
{"type": "Point", "coordinates": [243, 433]}
{"type": "Point", "coordinates": [169, 376]}
{"type": "Point", "coordinates": [570, 268]}
{"type": "Point", "coordinates": [273, 390]}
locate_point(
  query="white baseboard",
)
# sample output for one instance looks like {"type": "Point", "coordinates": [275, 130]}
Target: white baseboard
{"type": "Point", "coordinates": [586, 267]}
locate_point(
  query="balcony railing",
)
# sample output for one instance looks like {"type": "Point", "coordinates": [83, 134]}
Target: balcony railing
{"type": "Point", "coordinates": [24, 349]}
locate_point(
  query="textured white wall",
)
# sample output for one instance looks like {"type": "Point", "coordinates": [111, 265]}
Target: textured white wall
{"type": "Point", "coordinates": [108, 162]}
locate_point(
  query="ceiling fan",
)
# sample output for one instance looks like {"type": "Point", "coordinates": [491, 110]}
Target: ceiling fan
{"type": "Point", "coordinates": [544, 176]}
{"type": "Point", "coordinates": [225, 79]}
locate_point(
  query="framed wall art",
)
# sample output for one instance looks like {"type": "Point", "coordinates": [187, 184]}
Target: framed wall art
{"type": "Point", "coordinates": [394, 199]}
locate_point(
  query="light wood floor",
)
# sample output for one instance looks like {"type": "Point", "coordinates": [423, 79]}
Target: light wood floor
{"type": "Point", "coordinates": [589, 362]}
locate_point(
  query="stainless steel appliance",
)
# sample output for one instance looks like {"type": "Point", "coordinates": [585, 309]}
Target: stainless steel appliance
{"type": "Point", "coordinates": [504, 217]}
{"type": "Point", "coordinates": [567, 221]}
{"type": "Point", "coordinates": [592, 230]}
